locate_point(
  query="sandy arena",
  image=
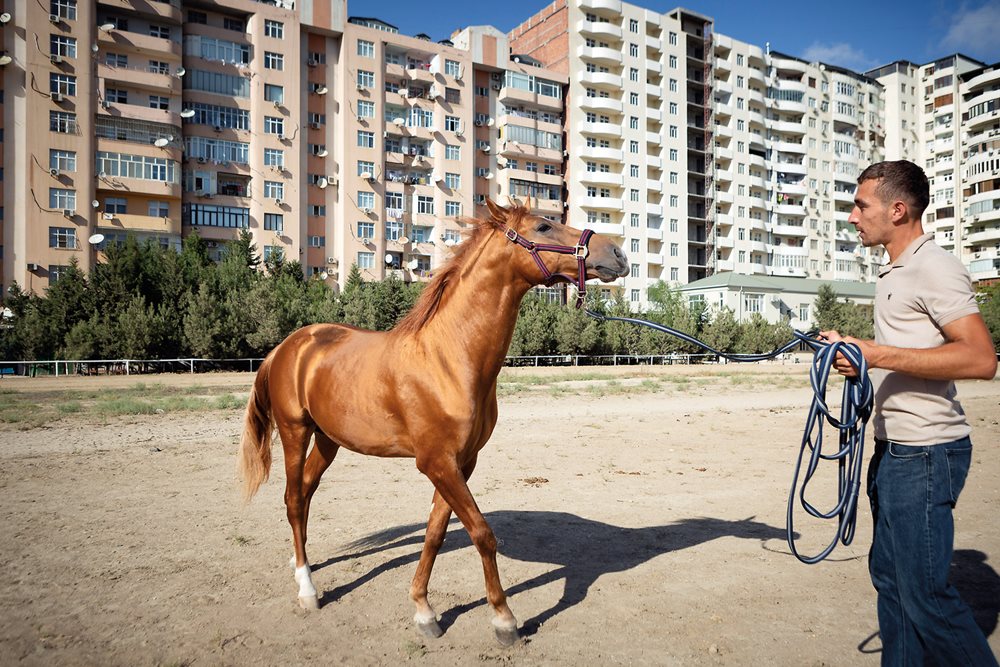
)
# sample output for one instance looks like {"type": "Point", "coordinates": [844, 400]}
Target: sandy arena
{"type": "Point", "coordinates": [641, 521]}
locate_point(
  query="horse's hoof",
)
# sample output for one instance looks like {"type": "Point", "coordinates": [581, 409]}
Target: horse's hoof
{"type": "Point", "coordinates": [430, 629]}
{"type": "Point", "coordinates": [309, 602]}
{"type": "Point", "coordinates": [507, 636]}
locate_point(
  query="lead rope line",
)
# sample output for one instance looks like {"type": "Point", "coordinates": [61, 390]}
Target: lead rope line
{"type": "Point", "coordinates": [855, 410]}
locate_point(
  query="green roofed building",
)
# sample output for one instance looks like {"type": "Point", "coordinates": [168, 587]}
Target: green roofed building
{"type": "Point", "coordinates": [775, 298]}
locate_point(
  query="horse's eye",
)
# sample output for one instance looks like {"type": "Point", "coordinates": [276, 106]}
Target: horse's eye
{"type": "Point", "coordinates": [543, 227]}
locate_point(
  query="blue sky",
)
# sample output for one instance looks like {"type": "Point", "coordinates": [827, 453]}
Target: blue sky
{"type": "Point", "coordinates": [850, 33]}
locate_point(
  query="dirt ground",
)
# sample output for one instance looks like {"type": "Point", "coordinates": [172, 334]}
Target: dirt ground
{"type": "Point", "coordinates": [640, 522]}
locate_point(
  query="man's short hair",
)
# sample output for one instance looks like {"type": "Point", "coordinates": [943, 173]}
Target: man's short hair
{"type": "Point", "coordinates": [900, 180]}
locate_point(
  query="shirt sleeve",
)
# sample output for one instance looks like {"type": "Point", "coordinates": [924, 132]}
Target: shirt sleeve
{"type": "Point", "coordinates": [948, 294]}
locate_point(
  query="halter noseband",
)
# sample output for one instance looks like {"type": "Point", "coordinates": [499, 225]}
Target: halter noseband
{"type": "Point", "coordinates": [580, 251]}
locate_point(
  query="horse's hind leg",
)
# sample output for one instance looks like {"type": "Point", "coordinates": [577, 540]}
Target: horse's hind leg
{"type": "Point", "coordinates": [437, 525]}
{"type": "Point", "coordinates": [295, 442]}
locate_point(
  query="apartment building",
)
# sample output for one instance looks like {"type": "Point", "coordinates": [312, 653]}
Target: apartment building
{"type": "Point", "coordinates": [155, 119]}
{"type": "Point", "coordinates": [940, 116]}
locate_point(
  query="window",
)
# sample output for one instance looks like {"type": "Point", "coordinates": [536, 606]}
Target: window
{"type": "Point", "coordinates": [366, 230]}
{"type": "Point", "coordinates": [452, 209]}
{"type": "Point", "coordinates": [453, 181]}
{"type": "Point", "coordinates": [274, 61]}
{"type": "Point", "coordinates": [159, 209]}
{"type": "Point", "coordinates": [62, 160]}
{"type": "Point", "coordinates": [160, 31]}
{"type": "Point", "coordinates": [60, 45]}
{"type": "Point", "coordinates": [365, 168]}
{"type": "Point", "coordinates": [634, 295]}
{"type": "Point", "coordinates": [63, 121]}
{"type": "Point", "coordinates": [230, 23]}
{"type": "Point", "coordinates": [64, 9]}
{"type": "Point", "coordinates": [452, 152]}
{"type": "Point", "coordinates": [116, 95]}
{"type": "Point", "coordinates": [61, 198]}
{"type": "Point", "coordinates": [634, 271]}
{"type": "Point", "coordinates": [274, 222]}
{"type": "Point", "coordinates": [366, 139]}
{"type": "Point", "coordinates": [753, 303]}
{"type": "Point", "coordinates": [197, 17]}
{"type": "Point", "coordinates": [452, 123]}
{"type": "Point", "coordinates": [366, 109]}
{"type": "Point", "coordinates": [116, 205]}
{"type": "Point", "coordinates": [635, 245]}
{"type": "Point", "coordinates": [425, 205]}
{"type": "Point", "coordinates": [452, 68]}
{"type": "Point", "coordinates": [274, 190]}
{"type": "Point", "coordinates": [366, 79]}
{"type": "Point", "coordinates": [208, 215]}
{"type": "Point", "coordinates": [62, 237]}
{"type": "Point", "coordinates": [366, 260]}
{"type": "Point", "coordinates": [116, 60]}
{"type": "Point", "coordinates": [366, 200]}
{"type": "Point", "coordinates": [318, 210]}
{"type": "Point", "coordinates": [274, 125]}
{"type": "Point", "coordinates": [274, 157]}
{"type": "Point", "coordinates": [274, 29]}
{"type": "Point", "coordinates": [274, 93]}
{"type": "Point", "coordinates": [674, 248]}
{"type": "Point", "coordinates": [366, 49]}
{"type": "Point", "coordinates": [159, 102]}
{"type": "Point", "coordinates": [64, 84]}
{"type": "Point", "coordinates": [317, 241]}
{"type": "Point", "coordinates": [633, 25]}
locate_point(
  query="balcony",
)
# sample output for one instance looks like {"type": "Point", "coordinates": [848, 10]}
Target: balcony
{"type": "Point", "coordinates": [723, 175]}
{"type": "Point", "coordinates": [601, 79]}
{"type": "Point", "coordinates": [602, 203]}
{"type": "Point", "coordinates": [654, 233]}
{"type": "Point", "coordinates": [651, 161]}
{"type": "Point", "coordinates": [654, 90]}
{"type": "Point", "coordinates": [654, 209]}
{"type": "Point", "coordinates": [169, 12]}
{"type": "Point", "coordinates": [724, 196]}
{"type": "Point", "coordinates": [790, 167]}
{"type": "Point", "coordinates": [654, 43]}
{"type": "Point", "coordinates": [789, 147]}
{"type": "Point", "coordinates": [510, 95]}
{"type": "Point", "coordinates": [795, 210]}
{"type": "Point", "coordinates": [654, 185]}
{"type": "Point", "coordinates": [599, 104]}
{"type": "Point", "coordinates": [600, 54]}
{"type": "Point", "coordinates": [654, 114]}
{"type": "Point", "coordinates": [654, 258]}
{"type": "Point", "coordinates": [141, 77]}
{"type": "Point", "coordinates": [653, 138]}
{"type": "Point", "coordinates": [724, 154]}
{"type": "Point", "coordinates": [600, 153]}
{"type": "Point", "coordinates": [653, 66]}
{"type": "Point", "coordinates": [789, 230]}
{"type": "Point", "coordinates": [134, 42]}
{"type": "Point", "coordinates": [600, 129]}
{"type": "Point", "coordinates": [723, 131]}
{"type": "Point", "coordinates": [608, 6]}
{"type": "Point", "coordinates": [599, 29]}
{"type": "Point", "coordinates": [723, 242]}
{"type": "Point", "coordinates": [601, 178]}
{"type": "Point", "coordinates": [135, 111]}
{"type": "Point", "coordinates": [130, 222]}
{"type": "Point", "coordinates": [723, 65]}
{"type": "Point", "coordinates": [842, 197]}
{"type": "Point", "coordinates": [723, 219]}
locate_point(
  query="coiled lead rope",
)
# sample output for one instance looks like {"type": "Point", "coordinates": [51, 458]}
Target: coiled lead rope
{"type": "Point", "coordinates": [855, 410]}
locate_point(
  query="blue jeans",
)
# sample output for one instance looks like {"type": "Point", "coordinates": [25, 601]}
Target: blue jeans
{"type": "Point", "coordinates": [912, 491]}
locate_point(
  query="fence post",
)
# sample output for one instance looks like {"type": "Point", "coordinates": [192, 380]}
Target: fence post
{"type": "Point", "coordinates": [126, 367]}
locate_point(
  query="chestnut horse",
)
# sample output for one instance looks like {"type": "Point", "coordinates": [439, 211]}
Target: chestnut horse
{"type": "Point", "coordinates": [426, 389]}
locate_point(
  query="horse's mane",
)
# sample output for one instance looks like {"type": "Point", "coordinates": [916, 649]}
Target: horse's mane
{"type": "Point", "coordinates": [427, 304]}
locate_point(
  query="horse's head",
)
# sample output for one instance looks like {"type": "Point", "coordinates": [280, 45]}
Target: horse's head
{"type": "Point", "coordinates": [556, 251]}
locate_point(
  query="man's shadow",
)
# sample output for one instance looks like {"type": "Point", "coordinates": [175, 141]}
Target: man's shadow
{"type": "Point", "coordinates": [978, 584]}
{"type": "Point", "coordinates": [581, 549]}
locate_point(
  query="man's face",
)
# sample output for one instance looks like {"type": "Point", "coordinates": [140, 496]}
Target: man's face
{"type": "Point", "coordinates": [871, 216]}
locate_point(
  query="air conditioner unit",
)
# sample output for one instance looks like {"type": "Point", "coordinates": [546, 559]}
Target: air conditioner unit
{"type": "Point", "coordinates": [57, 97]}
{"type": "Point", "coordinates": [367, 175]}
{"type": "Point", "coordinates": [277, 104]}
{"type": "Point", "coordinates": [360, 87]}
{"type": "Point", "coordinates": [459, 132]}
{"type": "Point", "coordinates": [366, 210]}
{"type": "Point", "coordinates": [332, 179]}
{"type": "Point", "coordinates": [311, 63]}
{"type": "Point", "coordinates": [278, 201]}
{"type": "Point", "coordinates": [54, 18]}
{"type": "Point", "coordinates": [282, 138]}
{"type": "Point", "coordinates": [208, 195]}
{"type": "Point", "coordinates": [211, 244]}
{"type": "Point", "coordinates": [56, 59]}
{"type": "Point", "coordinates": [420, 158]}
{"type": "Point", "coordinates": [201, 160]}
{"type": "Point", "coordinates": [497, 86]}
{"type": "Point", "coordinates": [316, 126]}
{"type": "Point", "coordinates": [332, 260]}
{"type": "Point", "coordinates": [54, 172]}
{"type": "Point", "coordinates": [108, 216]}
{"type": "Point", "coordinates": [478, 123]}
{"type": "Point", "coordinates": [68, 213]}
{"type": "Point", "coordinates": [432, 94]}
{"type": "Point", "coordinates": [276, 167]}
{"type": "Point", "coordinates": [105, 104]}
{"type": "Point", "coordinates": [495, 76]}
{"type": "Point", "coordinates": [217, 128]}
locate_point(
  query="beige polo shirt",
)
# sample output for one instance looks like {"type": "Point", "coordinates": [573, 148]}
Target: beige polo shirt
{"type": "Point", "coordinates": [923, 290]}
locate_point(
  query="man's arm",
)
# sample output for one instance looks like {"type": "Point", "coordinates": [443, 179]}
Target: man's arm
{"type": "Point", "coordinates": [967, 354]}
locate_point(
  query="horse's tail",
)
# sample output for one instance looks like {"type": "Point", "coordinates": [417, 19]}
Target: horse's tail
{"type": "Point", "coordinates": [255, 445]}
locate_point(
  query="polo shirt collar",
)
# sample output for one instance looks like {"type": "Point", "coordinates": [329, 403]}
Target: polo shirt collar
{"type": "Point", "coordinates": [910, 251]}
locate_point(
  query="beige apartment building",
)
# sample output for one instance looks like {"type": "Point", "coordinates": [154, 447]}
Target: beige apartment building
{"type": "Point", "coordinates": [945, 116]}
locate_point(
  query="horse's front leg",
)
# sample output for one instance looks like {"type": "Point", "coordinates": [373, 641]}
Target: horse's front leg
{"type": "Point", "coordinates": [450, 483]}
{"type": "Point", "coordinates": [437, 526]}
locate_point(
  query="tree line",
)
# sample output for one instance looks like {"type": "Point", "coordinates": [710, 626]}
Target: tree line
{"type": "Point", "coordinates": [145, 301]}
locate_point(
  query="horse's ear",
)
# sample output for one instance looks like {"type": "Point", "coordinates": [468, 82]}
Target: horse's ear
{"type": "Point", "coordinates": [498, 213]}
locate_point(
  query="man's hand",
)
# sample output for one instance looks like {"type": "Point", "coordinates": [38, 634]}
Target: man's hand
{"type": "Point", "coordinates": [841, 364]}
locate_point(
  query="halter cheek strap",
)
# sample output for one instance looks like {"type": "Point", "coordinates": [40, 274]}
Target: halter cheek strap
{"type": "Point", "coordinates": [580, 251]}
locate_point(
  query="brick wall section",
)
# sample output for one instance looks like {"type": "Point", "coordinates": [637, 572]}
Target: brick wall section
{"type": "Point", "coordinates": [545, 36]}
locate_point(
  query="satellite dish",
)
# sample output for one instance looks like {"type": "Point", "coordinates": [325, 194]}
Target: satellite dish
{"type": "Point", "coordinates": [323, 183]}
{"type": "Point", "coordinates": [413, 264]}
{"type": "Point", "coordinates": [5, 60]}
{"type": "Point", "coordinates": [399, 121]}
{"type": "Point", "coordinates": [94, 47]}
{"type": "Point", "coordinates": [388, 258]}
{"type": "Point", "coordinates": [96, 239]}
{"type": "Point", "coordinates": [107, 27]}
{"type": "Point", "coordinates": [404, 240]}
{"type": "Point", "coordinates": [322, 90]}
{"type": "Point", "coordinates": [490, 122]}
{"type": "Point", "coordinates": [95, 204]}
{"type": "Point", "coordinates": [449, 242]}
{"type": "Point", "coordinates": [180, 71]}
{"type": "Point", "coordinates": [324, 275]}
{"type": "Point", "coordinates": [187, 113]}
{"type": "Point", "coordinates": [161, 142]}
{"type": "Point", "coordinates": [323, 153]}
{"type": "Point", "coordinates": [5, 17]}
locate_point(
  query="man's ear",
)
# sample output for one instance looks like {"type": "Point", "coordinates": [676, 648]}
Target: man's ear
{"type": "Point", "coordinates": [898, 211]}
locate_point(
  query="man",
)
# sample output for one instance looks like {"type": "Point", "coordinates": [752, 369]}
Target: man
{"type": "Point", "coordinates": [928, 333]}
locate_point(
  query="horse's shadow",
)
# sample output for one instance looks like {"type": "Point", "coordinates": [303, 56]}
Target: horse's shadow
{"type": "Point", "coordinates": [581, 549]}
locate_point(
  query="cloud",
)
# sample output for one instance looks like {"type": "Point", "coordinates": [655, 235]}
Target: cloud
{"type": "Point", "coordinates": [841, 54]}
{"type": "Point", "coordinates": [974, 32]}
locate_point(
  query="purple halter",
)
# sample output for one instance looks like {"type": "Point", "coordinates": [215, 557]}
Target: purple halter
{"type": "Point", "coordinates": [580, 251]}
